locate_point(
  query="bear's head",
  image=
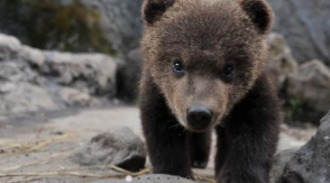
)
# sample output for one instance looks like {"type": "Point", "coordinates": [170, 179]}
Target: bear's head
{"type": "Point", "coordinates": [204, 55]}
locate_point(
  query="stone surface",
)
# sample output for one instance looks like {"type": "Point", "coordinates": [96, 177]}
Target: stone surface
{"type": "Point", "coordinates": [77, 25]}
{"type": "Point", "coordinates": [281, 62]}
{"type": "Point", "coordinates": [121, 22]}
{"type": "Point", "coordinates": [305, 25]}
{"type": "Point", "coordinates": [74, 97]}
{"type": "Point", "coordinates": [311, 163]}
{"type": "Point", "coordinates": [25, 97]}
{"type": "Point", "coordinates": [281, 158]}
{"type": "Point", "coordinates": [311, 85]}
{"type": "Point", "coordinates": [70, 129]}
{"type": "Point", "coordinates": [91, 73]}
{"type": "Point", "coordinates": [305, 87]}
{"type": "Point", "coordinates": [129, 75]}
{"type": "Point", "coordinates": [35, 80]}
{"type": "Point", "coordinates": [118, 146]}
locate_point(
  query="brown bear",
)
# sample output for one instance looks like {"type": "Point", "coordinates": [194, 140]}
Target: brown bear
{"type": "Point", "coordinates": [204, 69]}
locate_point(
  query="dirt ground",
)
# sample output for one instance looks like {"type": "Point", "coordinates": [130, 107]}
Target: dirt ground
{"type": "Point", "coordinates": [36, 147]}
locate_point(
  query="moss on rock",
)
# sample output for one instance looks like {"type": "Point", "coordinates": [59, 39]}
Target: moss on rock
{"type": "Point", "coordinates": [48, 24]}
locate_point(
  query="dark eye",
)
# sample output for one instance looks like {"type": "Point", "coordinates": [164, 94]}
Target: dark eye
{"type": "Point", "coordinates": [228, 70]}
{"type": "Point", "coordinates": [178, 66]}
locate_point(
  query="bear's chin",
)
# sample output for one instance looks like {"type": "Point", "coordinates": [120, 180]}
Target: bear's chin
{"type": "Point", "coordinates": [197, 130]}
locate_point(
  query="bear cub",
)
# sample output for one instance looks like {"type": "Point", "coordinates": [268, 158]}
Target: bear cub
{"type": "Point", "coordinates": [205, 69]}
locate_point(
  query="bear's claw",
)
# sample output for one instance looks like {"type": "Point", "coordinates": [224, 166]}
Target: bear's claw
{"type": "Point", "coordinates": [199, 164]}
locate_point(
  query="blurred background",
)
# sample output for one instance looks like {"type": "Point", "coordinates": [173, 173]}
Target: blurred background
{"type": "Point", "coordinates": [61, 55]}
{"type": "Point", "coordinates": [52, 31]}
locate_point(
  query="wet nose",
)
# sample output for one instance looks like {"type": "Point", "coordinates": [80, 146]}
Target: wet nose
{"type": "Point", "coordinates": [199, 117]}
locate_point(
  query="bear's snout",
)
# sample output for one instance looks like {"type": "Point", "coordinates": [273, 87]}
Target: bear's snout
{"type": "Point", "coordinates": [199, 117]}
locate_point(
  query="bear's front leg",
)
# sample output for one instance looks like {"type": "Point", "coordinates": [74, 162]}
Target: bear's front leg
{"type": "Point", "coordinates": [166, 139]}
{"type": "Point", "coordinates": [251, 135]}
{"type": "Point", "coordinates": [199, 148]}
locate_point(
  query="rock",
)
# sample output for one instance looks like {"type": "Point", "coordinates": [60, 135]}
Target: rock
{"type": "Point", "coordinates": [74, 97]}
{"type": "Point", "coordinates": [118, 146]}
{"type": "Point", "coordinates": [9, 47]}
{"type": "Point", "coordinates": [24, 97]}
{"type": "Point", "coordinates": [288, 141]}
{"type": "Point", "coordinates": [91, 73]}
{"type": "Point", "coordinates": [280, 160]}
{"type": "Point", "coordinates": [18, 71]}
{"type": "Point", "coordinates": [311, 85]}
{"type": "Point", "coordinates": [281, 62]}
{"type": "Point", "coordinates": [311, 163]}
{"type": "Point", "coordinates": [121, 22]}
{"type": "Point", "coordinates": [77, 25]}
{"type": "Point", "coordinates": [54, 25]}
{"type": "Point", "coordinates": [33, 56]}
{"type": "Point", "coordinates": [32, 80]}
{"type": "Point", "coordinates": [152, 178]}
{"type": "Point", "coordinates": [129, 75]}
{"type": "Point", "coordinates": [292, 80]}
{"type": "Point", "coordinates": [305, 25]}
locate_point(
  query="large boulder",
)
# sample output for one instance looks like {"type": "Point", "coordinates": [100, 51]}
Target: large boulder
{"type": "Point", "coordinates": [111, 27]}
{"type": "Point", "coordinates": [24, 97]}
{"type": "Point", "coordinates": [119, 146]}
{"type": "Point", "coordinates": [305, 25]}
{"type": "Point", "coordinates": [281, 62]}
{"type": "Point", "coordinates": [107, 26]}
{"type": "Point", "coordinates": [280, 160]}
{"type": "Point", "coordinates": [310, 87]}
{"type": "Point", "coordinates": [129, 76]}
{"type": "Point", "coordinates": [311, 163]}
{"type": "Point", "coordinates": [304, 88]}
{"type": "Point", "coordinates": [33, 80]}
{"type": "Point", "coordinates": [91, 73]}
{"type": "Point", "coordinates": [121, 22]}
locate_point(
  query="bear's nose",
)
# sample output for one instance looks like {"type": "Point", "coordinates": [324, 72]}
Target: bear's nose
{"type": "Point", "coordinates": [199, 117]}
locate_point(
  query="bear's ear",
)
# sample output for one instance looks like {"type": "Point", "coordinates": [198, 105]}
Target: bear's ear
{"type": "Point", "coordinates": [260, 13]}
{"type": "Point", "coordinates": [152, 10]}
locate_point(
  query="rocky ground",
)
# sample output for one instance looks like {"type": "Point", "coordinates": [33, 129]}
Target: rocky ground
{"type": "Point", "coordinates": [39, 147]}
{"type": "Point", "coordinates": [59, 110]}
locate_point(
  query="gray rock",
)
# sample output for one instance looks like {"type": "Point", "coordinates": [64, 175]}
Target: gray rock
{"type": "Point", "coordinates": [305, 87]}
{"type": "Point", "coordinates": [9, 47]}
{"type": "Point", "coordinates": [305, 25]}
{"type": "Point", "coordinates": [311, 85]}
{"type": "Point", "coordinates": [114, 23]}
{"type": "Point", "coordinates": [91, 73]}
{"type": "Point", "coordinates": [129, 75]}
{"type": "Point", "coordinates": [33, 80]}
{"type": "Point", "coordinates": [281, 62]}
{"type": "Point", "coordinates": [24, 97]}
{"type": "Point", "coordinates": [121, 22]}
{"type": "Point", "coordinates": [152, 178]}
{"type": "Point", "coordinates": [118, 146]}
{"type": "Point", "coordinates": [311, 163]}
{"type": "Point", "coordinates": [280, 160]}
{"type": "Point", "coordinates": [75, 97]}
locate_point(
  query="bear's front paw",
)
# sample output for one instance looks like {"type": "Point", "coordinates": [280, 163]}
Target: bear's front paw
{"type": "Point", "coordinates": [196, 163]}
{"type": "Point", "coordinates": [229, 180]}
{"type": "Point", "coordinates": [238, 177]}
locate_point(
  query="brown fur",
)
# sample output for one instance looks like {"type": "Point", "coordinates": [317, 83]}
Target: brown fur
{"type": "Point", "coordinates": [206, 35]}
{"type": "Point", "coordinates": [204, 50]}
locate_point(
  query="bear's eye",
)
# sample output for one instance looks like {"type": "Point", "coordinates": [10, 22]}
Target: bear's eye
{"type": "Point", "coordinates": [178, 67]}
{"type": "Point", "coordinates": [228, 70]}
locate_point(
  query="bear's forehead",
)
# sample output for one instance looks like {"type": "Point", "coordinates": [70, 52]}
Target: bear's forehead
{"type": "Point", "coordinates": [206, 25]}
